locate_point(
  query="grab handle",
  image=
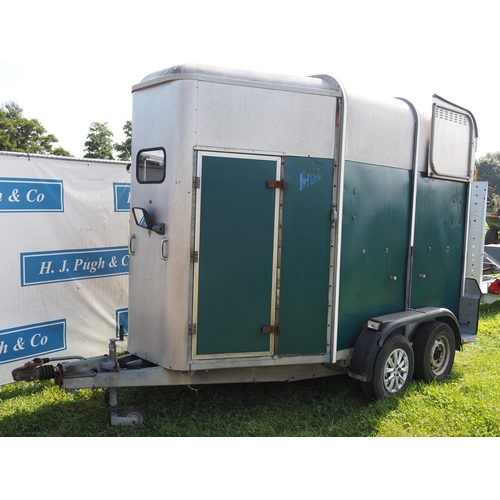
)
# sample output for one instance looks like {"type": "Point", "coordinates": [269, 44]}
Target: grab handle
{"type": "Point", "coordinates": [130, 246]}
{"type": "Point", "coordinates": [164, 248]}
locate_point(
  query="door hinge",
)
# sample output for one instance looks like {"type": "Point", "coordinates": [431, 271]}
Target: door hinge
{"type": "Point", "coordinates": [194, 256]}
{"type": "Point", "coordinates": [192, 329]}
{"type": "Point", "coordinates": [271, 329]}
{"type": "Point", "coordinates": [281, 184]}
{"type": "Point", "coordinates": [196, 183]}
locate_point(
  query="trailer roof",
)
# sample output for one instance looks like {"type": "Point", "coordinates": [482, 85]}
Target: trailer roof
{"type": "Point", "coordinates": [316, 84]}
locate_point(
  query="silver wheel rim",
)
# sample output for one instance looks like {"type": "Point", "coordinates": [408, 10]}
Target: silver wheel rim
{"type": "Point", "coordinates": [440, 355]}
{"type": "Point", "coordinates": [396, 370]}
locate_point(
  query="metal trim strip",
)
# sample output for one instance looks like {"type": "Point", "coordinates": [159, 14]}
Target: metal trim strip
{"type": "Point", "coordinates": [337, 243]}
{"type": "Point", "coordinates": [234, 81]}
{"type": "Point", "coordinates": [413, 208]}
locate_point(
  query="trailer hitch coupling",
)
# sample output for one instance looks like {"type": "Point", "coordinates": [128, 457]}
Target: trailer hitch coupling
{"type": "Point", "coordinates": [36, 369]}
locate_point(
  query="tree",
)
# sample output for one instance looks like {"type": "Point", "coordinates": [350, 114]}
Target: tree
{"type": "Point", "coordinates": [99, 142]}
{"type": "Point", "coordinates": [21, 134]}
{"type": "Point", "coordinates": [488, 169]}
{"type": "Point", "coordinates": [124, 148]}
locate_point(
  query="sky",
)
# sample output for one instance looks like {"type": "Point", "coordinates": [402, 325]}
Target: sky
{"type": "Point", "coordinates": [69, 64]}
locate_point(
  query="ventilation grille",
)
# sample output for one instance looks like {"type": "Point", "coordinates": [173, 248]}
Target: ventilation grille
{"type": "Point", "coordinates": [451, 116]}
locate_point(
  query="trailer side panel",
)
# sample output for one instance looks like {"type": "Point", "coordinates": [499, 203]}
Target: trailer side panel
{"type": "Point", "coordinates": [374, 246]}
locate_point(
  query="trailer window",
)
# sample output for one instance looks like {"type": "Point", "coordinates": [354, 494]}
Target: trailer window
{"type": "Point", "coordinates": [151, 165]}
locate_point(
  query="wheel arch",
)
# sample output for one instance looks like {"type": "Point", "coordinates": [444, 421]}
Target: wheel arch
{"type": "Point", "coordinates": [377, 329]}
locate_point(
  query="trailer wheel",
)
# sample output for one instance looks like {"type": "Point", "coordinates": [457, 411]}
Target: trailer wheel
{"type": "Point", "coordinates": [491, 237]}
{"type": "Point", "coordinates": [392, 369]}
{"type": "Point", "coordinates": [135, 412]}
{"type": "Point", "coordinates": [434, 347]}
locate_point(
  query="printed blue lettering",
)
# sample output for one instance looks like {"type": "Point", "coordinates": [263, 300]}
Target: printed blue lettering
{"type": "Point", "coordinates": [45, 268]}
{"type": "Point", "coordinates": [38, 340]}
{"type": "Point", "coordinates": [307, 179]}
{"type": "Point", "coordinates": [19, 345]}
{"type": "Point", "coordinates": [91, 267]}
{"type": "Point", "coordinates": [14, 197]}
{"type": "Point", "coordinates": [38, 268]}
{"type": "Point", "coordinates": [30, 341]}
{"type": "Point", "coordinates": [31, 195]}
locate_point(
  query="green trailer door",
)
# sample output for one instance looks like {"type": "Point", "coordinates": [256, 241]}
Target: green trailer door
{"type": "Point", "coordinates": [237, 247]}
{"type": "Point", "coordinates": [305, 256]}
{"type": "Point", "coordinates": [261, 283]}
{"type": "Point", "coordinates": [439, 243]}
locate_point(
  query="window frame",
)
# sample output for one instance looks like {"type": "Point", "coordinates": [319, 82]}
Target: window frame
{"type": "Point", "coordinates": [138, 169]}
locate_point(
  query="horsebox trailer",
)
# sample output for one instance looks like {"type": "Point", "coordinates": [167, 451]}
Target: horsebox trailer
{"type": "Point", "coordinates": [284, 229]}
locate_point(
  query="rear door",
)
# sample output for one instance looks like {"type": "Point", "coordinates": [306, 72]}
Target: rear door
{"type": "Point", "coordinates": [263, 256]}
{"type": "Point", "coordinates": [235, 257]}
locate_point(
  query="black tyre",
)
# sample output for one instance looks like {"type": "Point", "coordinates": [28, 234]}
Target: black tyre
{"type": "Point", "coordinates": [491, 237]}
{"type": "Point", "coordinates": [135, 412]}
{"type": "Point", "coordinates": [434, 348]}
{"type": "Point", "coordinates": [392, 369]}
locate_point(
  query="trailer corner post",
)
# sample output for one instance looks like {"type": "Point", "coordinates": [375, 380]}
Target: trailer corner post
{"type": "Point", "coordinates": [415, 159]}
{"type": "Point", "coordinates": [339, 209]}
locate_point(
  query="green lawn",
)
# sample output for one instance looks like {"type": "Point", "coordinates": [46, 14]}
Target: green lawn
{"type": "Point", "coordinates": [465, 404]}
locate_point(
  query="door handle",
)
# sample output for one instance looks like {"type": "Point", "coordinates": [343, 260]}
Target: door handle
{"type": "Point", "coordinates": [130, 246]}
{"type": "Point", "coordinates": [164, 248]}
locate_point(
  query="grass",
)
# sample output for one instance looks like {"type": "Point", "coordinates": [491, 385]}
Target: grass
{"type": "Point", "coordinates": [467, 403]}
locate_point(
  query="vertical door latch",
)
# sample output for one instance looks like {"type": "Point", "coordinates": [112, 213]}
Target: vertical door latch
{"type": "Point", "coordinates": [334, 215]}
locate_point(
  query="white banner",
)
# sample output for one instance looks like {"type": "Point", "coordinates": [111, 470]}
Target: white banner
{"type": "Point", "coordinates": [63, 257]}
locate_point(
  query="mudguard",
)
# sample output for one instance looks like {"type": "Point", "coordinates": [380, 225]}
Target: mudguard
{"type": "Point", "coordinates": [377, 329]}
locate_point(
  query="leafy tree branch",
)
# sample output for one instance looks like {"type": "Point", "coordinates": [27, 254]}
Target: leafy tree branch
{"type": "Point", "coordinates": [24, 135]}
